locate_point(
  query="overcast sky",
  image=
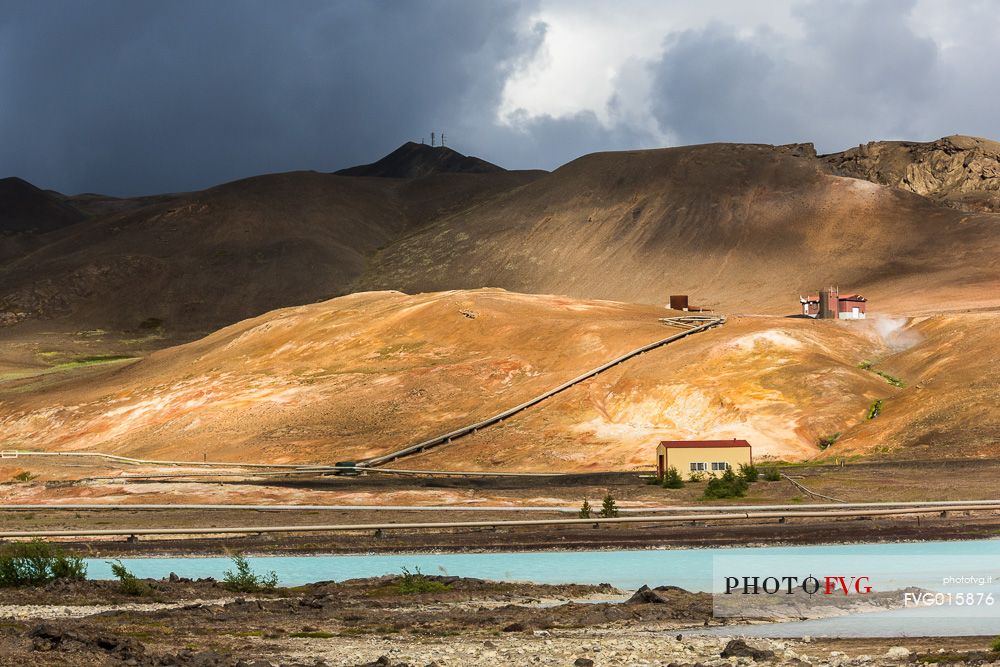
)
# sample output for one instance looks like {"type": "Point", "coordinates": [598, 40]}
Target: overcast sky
{"type": "Point", "coordinates": [133, 96]}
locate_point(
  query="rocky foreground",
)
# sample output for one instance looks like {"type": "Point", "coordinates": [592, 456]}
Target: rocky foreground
{"type": "Point", "coordinates": [404, 622]}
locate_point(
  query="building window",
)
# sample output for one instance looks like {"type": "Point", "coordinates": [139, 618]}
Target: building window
{"type": "Point", "coordinates": [722, 465]}
{"type": "Point", "coordinates": [695, 467]}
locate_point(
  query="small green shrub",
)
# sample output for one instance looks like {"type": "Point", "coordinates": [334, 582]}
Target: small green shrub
{"type": "Point", "coordinates": [891, 379]}
{"type": "Point", "coordinates": [827, 440]}
{"type": "Point", "coordinates": [609, 508]}
{"type": "Point", "coordinates": [672, 479]}
{"type": "Point", "coordinates": [728, 485]}
{"type": "Point", "coordinates": [71, 568]}
{"type": "Point", "coordinates": [36, 563]}
{"type": "Point", "coordinates": [130, 584]}
{"type": "Point", "coordinates": [24, 477]}
{"type": "Point", "coordinates": [995, 645]}
{"type": "Point", "coordinates": [749, 472]}
{"type": "Point", "coordinates": [93, 360]}
{"type": "Point", "coordinates": [772, 475]}
{"type": "Point", "coordinates": [314, 634]}
{"type": "Point", "coordinates": [875, 410]}
{"type": "Point", "coordinates": [586, 511]}
{"type": "Point", "coordinates": [245, 580]}
{"type": "Point", "coordinates": [696, 476]}
{"type": "Point", "coordinates": [416, 582]}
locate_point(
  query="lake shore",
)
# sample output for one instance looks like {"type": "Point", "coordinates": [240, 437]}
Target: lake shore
{"type": "Point", "coordinates": [388, 622]}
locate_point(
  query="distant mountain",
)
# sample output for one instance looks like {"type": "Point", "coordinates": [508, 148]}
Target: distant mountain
{"type": "Point", "coordinates": [413, 160]}
{"type": "Point", "coordinates": [197, 261]}
{"type": "Point", "coordinates": [25, 208]}
{"type": "Point", "coordinates": [738, 227]}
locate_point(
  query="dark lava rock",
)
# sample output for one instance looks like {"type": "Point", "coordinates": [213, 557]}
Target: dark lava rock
{"type": "Point", "coordinates": [958, 657]}
{"type": "Point", "coordinates": [383, 661]}
{"type": "Point", "coordinates": [737, 648]}
{"type": "Point", "coordinates": [50, 637]}
{"type": "Point", "coordinates": [514, 627]}
{"type": "Point", "coordinates": [645, 595]}
{"type": "Point", "coordinates": [583, 662]}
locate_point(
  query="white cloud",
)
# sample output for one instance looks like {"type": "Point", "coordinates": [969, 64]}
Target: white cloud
{"type": "Point", "coordinates": [593, 51]}
{"type": "Point", "coordinates": [836, 72]}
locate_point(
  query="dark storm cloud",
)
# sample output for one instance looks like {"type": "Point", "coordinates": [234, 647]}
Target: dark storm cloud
{"type": "Point", "coordinates": [137, 96]}
{"type": "Point", "coordinates": [857, 72]}
{"type": "Point", "coordinates": [129, 97]}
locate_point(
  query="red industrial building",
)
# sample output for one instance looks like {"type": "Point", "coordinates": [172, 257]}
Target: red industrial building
{"type": "Point", "coordinates": [830, 304]}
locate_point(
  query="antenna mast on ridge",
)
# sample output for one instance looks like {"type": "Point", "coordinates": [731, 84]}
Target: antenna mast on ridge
{"type": "Point", "coordinates": [442, 139]}
{"type": "Point", "coordinates": [432, 138]}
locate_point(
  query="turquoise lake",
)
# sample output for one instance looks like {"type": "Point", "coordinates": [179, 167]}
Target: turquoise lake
{"type": "Point", "coordinates": [897, 565]}
{"type": "Point", "coordinates": [627, 570]}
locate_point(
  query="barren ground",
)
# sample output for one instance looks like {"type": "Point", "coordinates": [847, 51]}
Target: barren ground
{"type": "Point", "coordinates": [470, 622]}
{"type": "Point", "coordinates": [368, 373]}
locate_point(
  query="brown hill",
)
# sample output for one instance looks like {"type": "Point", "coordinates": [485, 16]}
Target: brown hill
{"type": "Point", "coordinates": [25, 208]}
{"type": "Point", "coordinates": [743, 228]}
{"type": "Point", "coordinates": [367, 373]}
{"type": "Point", "coordinates": [197, 261]}
{"type": "Point", "coordinates": [413, 160]}
{"type": "Point", "coordinates": [738, 227]}
{"type": "Point", "coordinates": [958, 171]}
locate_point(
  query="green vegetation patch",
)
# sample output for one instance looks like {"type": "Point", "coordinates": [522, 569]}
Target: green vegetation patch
{"type": "Point", "coordinates": [609, 508]}
{"type": "Point", "coordinates": [891, 379]}
{"type": "Point", "coordinates": [245, 580]}
{"type": "Point", "coordinates": [37, 563]}
{"type": "Point", "coordinates": [416, 582]}
{"type": "Point", "coordinates": [129, 583]}
{"type": "Point", "coordinates": [875, 410]}
{"type": "Point", "coordinates": [828, 440]}
{"type": "Point", "coordinates": [672, 479]}
{"type": "Point", "coordinates": [316, 634]}
{"type": "Point", "coordinates": [749, 472]}
{"type": "Point", "coordinates": [727, 485]}
{"type": "Point", "coordinates": [95, 359]}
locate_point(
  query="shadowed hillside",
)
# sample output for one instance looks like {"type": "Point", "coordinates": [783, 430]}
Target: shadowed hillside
{"type": "Point", "coordinates": [738, 227]}
{"type": "Point", "coordinates": [201, 260]}
{"type": "Point", "coordinates": [25, 208]}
